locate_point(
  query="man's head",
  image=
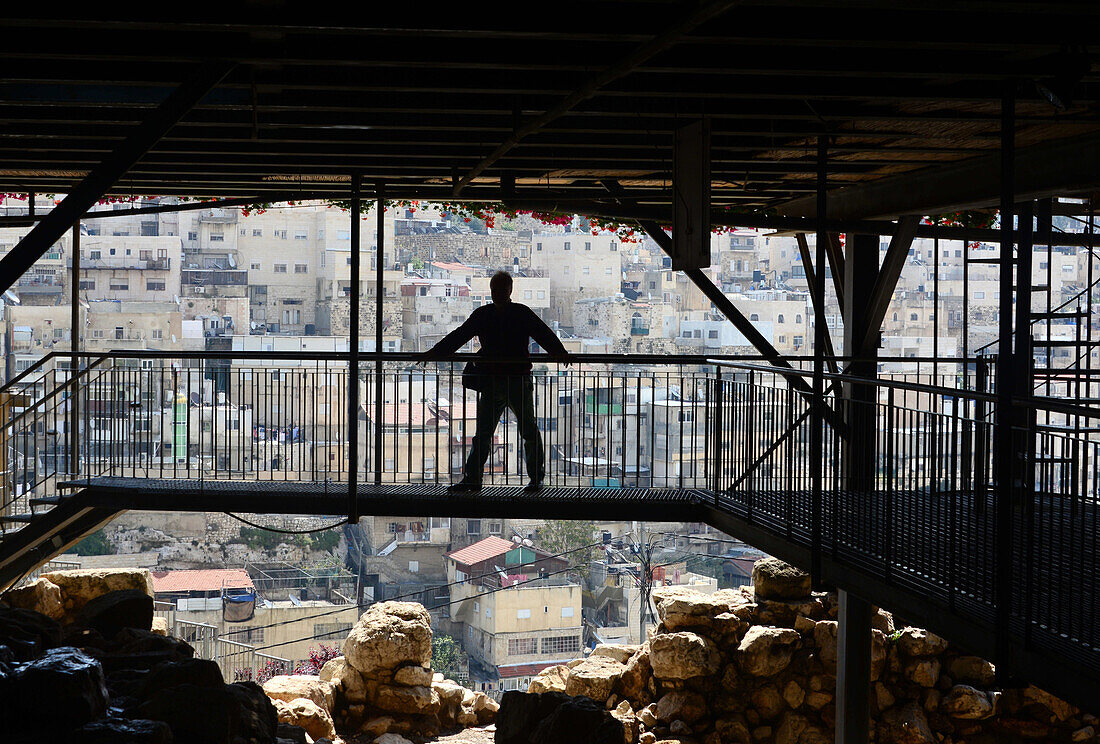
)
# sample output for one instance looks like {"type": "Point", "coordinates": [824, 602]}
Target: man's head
{"type": "Point", "coordinates": [500, 286]}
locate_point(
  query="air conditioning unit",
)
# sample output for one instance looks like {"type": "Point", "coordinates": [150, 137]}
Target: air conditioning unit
{"type": "Point", "coordinates": [200, 290]}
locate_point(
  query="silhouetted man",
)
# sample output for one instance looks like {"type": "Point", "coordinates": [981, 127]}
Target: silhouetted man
{"type": "Point", "coordinates": [504, 329]}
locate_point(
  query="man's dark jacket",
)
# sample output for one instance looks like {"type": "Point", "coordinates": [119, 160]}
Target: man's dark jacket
{"type": "Point", "coordinates": [504, 330]}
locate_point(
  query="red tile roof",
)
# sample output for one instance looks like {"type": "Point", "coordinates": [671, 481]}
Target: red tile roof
{"type": "Point", "coordinates": [482, 550]}
{"type": "Point", "coordinates": [202, 580]}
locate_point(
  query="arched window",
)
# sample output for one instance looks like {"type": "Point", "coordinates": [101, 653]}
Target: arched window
{"type": "Point", "coordinates": [754, 316]}
{"type": "Point", "coordinates": [912, 316]}
{"type": "Point", "coordinates": [798, 319]}
{"type": "Point", "coordinates": [780, 318]}
{"type": "Point", "coordinates": [895, 316]}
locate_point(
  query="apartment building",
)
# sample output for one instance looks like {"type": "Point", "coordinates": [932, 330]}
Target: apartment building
{"type": "Point", "coordinates": [580, 266]}
{"type": "Point", "coordinates": [509, 619]}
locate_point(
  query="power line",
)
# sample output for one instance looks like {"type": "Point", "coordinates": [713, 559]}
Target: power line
{"type": "Point", "coordinates": [360, 605]}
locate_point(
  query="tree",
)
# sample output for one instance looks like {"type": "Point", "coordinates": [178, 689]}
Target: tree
{"type": "Point", "coordinates": [94, 544]}
{"type": "Point", "coordinates": [568, 536]}
{"type": "Point", "coordinates": [447, 656]}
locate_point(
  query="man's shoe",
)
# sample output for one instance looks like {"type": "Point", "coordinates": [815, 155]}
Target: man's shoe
{"type": "Point", "coordinates": [463, 486]}
{"type": "Point", "coordinates": [534, 485]}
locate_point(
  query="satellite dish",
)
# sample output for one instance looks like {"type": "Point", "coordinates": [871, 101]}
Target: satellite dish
{"type": "Point", "coordinates": [10, 297]}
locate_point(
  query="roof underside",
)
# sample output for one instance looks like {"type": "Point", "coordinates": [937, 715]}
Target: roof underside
{"type": "Point", "coordinates": [421, 102]}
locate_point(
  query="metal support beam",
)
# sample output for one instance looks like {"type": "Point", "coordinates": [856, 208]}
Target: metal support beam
{"type": "Point", "coordinates": [1046, 169]}
{"type": "Point", "coordinates": [379, 254]}
{"type": "Point", "coordinates": [353, 355]}
{"type": "Point", "coordinates": [863, 283]}
{"type": "Point", "coordinates": [834, 251]}
{"type": "Point", "coordinates": [853, 669]}
{"type": "Point", "coordinates": [1004, 457]}
{"type": "Point", "coordinates": [818, 301]}
{"type": "Point", "coordinates": [879, 301]}
{"type": "Point", "coordinates": [589, 88]}
{"type": "Point", "coordinates": [104, 176]}
{"type": "Point", "coordinates": [74, 364]}
{"type": "Point", "coordinates": [817, 475]}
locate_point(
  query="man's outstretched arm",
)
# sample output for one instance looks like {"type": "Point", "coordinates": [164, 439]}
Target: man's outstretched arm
{"type": "Point", "coordinates": [546, 338]}
{"type": "Point", "coordinates": [453, 341]}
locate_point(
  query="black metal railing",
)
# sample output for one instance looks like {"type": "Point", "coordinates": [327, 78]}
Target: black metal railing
{"type": "Point", "coordinates": [909, 490]}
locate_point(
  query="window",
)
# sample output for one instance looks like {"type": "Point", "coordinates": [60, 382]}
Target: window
{"type": "Point", "coordinates": [473, 526]}
{"type": "Point", "coordinates": [607, 270]}
{"type": "Point", "coordinates": [567, 612]}
{"type": "Point", "coordinates": [414, 566]}
{"type": "Point", "coordinates": [587, 246]}
{"type": "Point", "coordinates": [301, 268]}
{"type": "Point", "coordinates": [523, 646]}
{"type": "Point", "coordinates": [249, 635]}
{"type": "Point", "coordinates": [489, 612]}
{"type": "Point", "coordinates": [895, 316]}
{"type": "Point", "coordinates": [782, 339]}
{"type": "Point", "coordinates": [97, 333]}
{"type": "Point", "coordinates": [979, 295]}
{"type": "Point", "coordinates": [257, 232]}
{"type": "Point", "coordinates": [217, 238]}
{"type": "Point", "coordinates": [685, 416]}
{"type": "Point", "coordinates": [119, 285]}
{"type": "Point", "coordinates": [712, 334]}
{"type": "Point", "coordinates": [87, 283]}
{"type": "Point", "coordinates": [561, 645]}
{"type": "Point", "coordinates": [158, 333]}
{"type": "Point", "coordinates": [586, 270]}
{"type": "Point", "coordinates": [155, 285]}
{"type": "Point", "coordinates": [300, 235]}
{"type": "Point", "coordinates": [912, 316]}
{"type": "Point", "coordinates": [538, 246]}
{"type": "Point", "coordinates": [542, 294]}
{"type": "Point", "coordinates": [192, 235]}
{"type": "Point", "coordinates": [523, 614]}
{"type": "Point", "coordinates": [567, 245]}
{"type": "Point", "coordinates": [495, 528]}
{"type": "Point", "coordinates": [95, 255]}
{"type": "Point", "coordinates": [780, 319]}
{"type": "Point", "coordinates": [280, 268]}
{"type": "Point", "coordinates": [687, 334]}
{"type": "Point", "coordinates": [255, 266]}
{"type": "Point", "coordinates": [754, 316]}
{"type": "Point", "coordinates": [527, 294]}
{"type": "Point", "coordinates": [614, 247]}
{"type": "Point", "coordinates": [798, 319]}
{"type": "Point", "coordinates": [280, 234]}
{"type": "Point", "coordinates": [798, 340]}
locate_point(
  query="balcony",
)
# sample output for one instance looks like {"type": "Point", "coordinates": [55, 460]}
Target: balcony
{"type": "Point", "coordinates": [123, 263]}
{"type": "Point", "coordinates": [639, 331]}
{"type": "Point", "coordinates": [40, 284]}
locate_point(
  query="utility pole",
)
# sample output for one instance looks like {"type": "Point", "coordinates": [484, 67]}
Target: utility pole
{"type": "Point", "coordinates": [645, 581]}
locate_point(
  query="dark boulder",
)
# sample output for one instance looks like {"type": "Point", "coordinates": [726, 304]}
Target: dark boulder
{"type": "Point", "coordinates": [123, 731]}
{"type": "Point", "coordinates": [551, 717]}
{"type": "Point", "coordinates": [140, 649]}
{"type": "Point", "coordinates": [59, 691]}
{"type": "Point", "coordinates": [231, 714]}
{"type": "Point", "coordinates": [198, 672]}
{"type": "Point", "coordinates": [288, 733]}
{"type": "Point", "coordinates": [111, 612]}
{"type": "Point", "coordinates": [27, 633]}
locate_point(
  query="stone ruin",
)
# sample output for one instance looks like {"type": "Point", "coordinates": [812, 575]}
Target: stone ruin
{"type": "Point", "coordinates": [757, 665]}
{"type": "Point", "coordinates": [383, 687]}
{"type": "Point", "coordinates": [82, 659]}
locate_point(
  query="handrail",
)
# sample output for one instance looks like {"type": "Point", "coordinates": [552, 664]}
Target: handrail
{"type": "Point", "coordinates": [408, 356]}
{"type": "Point", "coordinates": [73, 379]}
{"type": "Point", "coordinates": [880, 382]}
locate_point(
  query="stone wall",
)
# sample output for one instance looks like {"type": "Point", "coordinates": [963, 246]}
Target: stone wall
{"type": "Point", "coordinates": [757, 665]}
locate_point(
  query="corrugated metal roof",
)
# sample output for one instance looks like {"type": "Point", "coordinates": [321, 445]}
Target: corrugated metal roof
{"type": "Point", "coordinates": [482, 550]}
{"type": "Point", "coordinates": [201, 580]}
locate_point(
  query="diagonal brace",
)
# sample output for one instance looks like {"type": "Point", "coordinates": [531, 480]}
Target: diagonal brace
{"type": "Point", "coordinates": [106, 174]}
{"type": "Point", "coordinates": [819, 302]}
{"type": "Point", "coordinates": [888, 275]}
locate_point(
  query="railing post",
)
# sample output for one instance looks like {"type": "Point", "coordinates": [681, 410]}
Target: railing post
{"type": "Point", "coordinates": [74, 365]}
{"type": "Point", "coordinates": [379, 255]}
{"type": "Point", "coordinates": [716, 433]}
{"type": "Point", "coordinates": [353, 358]}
